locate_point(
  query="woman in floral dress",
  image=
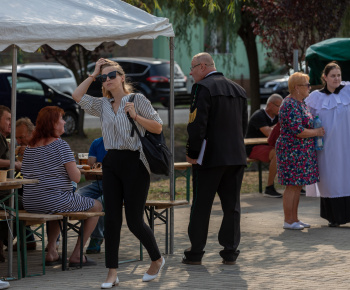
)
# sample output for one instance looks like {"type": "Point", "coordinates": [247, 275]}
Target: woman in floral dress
{"type": "Point", "coordinates": [295, 148]}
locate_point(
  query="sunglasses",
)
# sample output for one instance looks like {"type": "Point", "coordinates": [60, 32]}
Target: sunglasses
{"type": "Point", "coordinates": [112, 75]}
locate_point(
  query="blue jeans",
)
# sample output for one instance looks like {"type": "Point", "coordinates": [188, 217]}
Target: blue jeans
{"type": "Point", "coordinates": [94, 190]}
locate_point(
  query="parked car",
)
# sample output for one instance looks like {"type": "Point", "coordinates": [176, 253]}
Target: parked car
{"type": "Point", "coordinates": [33, 95]}
{"type": "Point", "coordinates": [52, 74]}
{"type": "Point", "coordinates": [150, 77]}
{"type": "Point", "coordinates": [276, 83]}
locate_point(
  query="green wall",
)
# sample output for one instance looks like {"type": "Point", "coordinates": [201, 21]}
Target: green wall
{"type": "Point", "coordinates": [233, 65]}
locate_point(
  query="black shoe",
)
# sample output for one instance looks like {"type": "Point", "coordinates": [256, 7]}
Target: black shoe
{"type": "Point", "coordinates": [333, 225]}
{"type": "Point", "coordinates": [189, 262]}
{"type": "Point", "coordinates": [228, 262]}
{"type": "Point", "coordinates": [229, 257]}
{"type": "Point", "coordinates": [270, 191]}
{"type": "Point", "coordinates": [302, 191]}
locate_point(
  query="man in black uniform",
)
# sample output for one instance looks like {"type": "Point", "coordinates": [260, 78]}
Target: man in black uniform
{"type": "Point", "coordinates": [218, 114]}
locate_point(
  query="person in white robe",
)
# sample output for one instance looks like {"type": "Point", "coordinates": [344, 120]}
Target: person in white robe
{"type": "Point", "coordinates": [332, 105]}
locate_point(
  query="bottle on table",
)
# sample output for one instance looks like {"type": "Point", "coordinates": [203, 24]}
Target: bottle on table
{"type": "Point", "coordinates": [318, 139]}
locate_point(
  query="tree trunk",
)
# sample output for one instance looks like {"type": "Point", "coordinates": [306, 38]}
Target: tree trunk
{"type": "Point", "coordinates": [246, 33]}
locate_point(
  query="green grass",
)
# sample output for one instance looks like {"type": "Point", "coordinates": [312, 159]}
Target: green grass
{"type": "Point", "coordinates": [159, 189]}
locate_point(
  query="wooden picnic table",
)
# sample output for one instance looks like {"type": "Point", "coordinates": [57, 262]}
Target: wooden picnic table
{"type": "Point", "coordinates": [13, 183]}
{"type": "Point", "coordinates": [255, 141]}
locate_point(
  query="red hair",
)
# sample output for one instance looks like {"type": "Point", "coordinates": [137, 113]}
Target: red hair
{"type": "Point", "coordinates": [45, 124]}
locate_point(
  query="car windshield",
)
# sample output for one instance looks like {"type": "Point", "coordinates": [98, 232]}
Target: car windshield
{"type": "Point", "coordinates": [280, 71]}
{"type": "Point", "coordinates": [28, 86]}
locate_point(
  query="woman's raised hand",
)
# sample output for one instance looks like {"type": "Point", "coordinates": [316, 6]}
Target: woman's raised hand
{"type": "Point", "coordinates": [83, 87]}
{"type": "Point", "coordinates": [98, 65]}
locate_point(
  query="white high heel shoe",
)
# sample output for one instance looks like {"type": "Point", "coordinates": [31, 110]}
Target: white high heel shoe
{"type": "Point", "coordinates": [147, 277]}
{"type": "Point", "coordinates": [110, 285]}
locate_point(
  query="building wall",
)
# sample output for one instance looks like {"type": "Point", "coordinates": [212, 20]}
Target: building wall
{"type": "Point", "coordinates": [234, 65]}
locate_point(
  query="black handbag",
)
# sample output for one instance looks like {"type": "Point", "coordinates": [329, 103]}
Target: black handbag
{"type": "Point", "coordinates": [154, 147]}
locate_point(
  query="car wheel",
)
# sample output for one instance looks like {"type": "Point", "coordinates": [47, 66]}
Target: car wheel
{"type": "Point", "coordinates": [71, 123]}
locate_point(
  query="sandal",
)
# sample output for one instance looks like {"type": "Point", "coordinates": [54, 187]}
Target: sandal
{"type": "Point", "coordinates": [88, 262]}
{"type": "Point", "coordinates": [54, 263]}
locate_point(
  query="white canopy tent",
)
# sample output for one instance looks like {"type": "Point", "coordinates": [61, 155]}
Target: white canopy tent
{"type": "Point", "coordinates": [62, 23]}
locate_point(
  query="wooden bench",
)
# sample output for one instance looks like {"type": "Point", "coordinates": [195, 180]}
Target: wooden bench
{"type": "Point", "coordinates": [256, 141]}
{"type": "Point", "coordinates": [77, 227]}
{"type": "Point", "coordinates": [183, 169]}
{"type": "Point", "coordinates": [159, 209]}
{"type": "Point", "coordinates": [259, 171]}
{"type": "Point", "coordinates": [30, 219]}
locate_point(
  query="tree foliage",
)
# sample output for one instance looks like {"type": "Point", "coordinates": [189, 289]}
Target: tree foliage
{"type": "Point", "coordinates": [344, 30]}
{"type": "Point", "coordinates": [286, 25]}
{"type": "Point", "coordinates": [76, 57]}
{"type": "Point", "coordinates": [226, 15]}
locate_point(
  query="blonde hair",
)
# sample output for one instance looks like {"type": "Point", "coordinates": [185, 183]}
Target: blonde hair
{"type": "Point", "coordinates": [127, 87]}
{"type": "Point", "coordinates": [297, 79]}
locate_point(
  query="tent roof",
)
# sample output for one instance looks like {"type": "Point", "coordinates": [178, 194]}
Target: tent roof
{"type": "Point", "coordinates": [63, 23]}
{"type": "Point", "coordinates": [320, 54]}
{"type": "Point", "coordinates": [331, 49]}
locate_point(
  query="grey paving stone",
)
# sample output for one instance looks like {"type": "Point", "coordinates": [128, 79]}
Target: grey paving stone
{"type": "Point", "coordinates": [271, 258]}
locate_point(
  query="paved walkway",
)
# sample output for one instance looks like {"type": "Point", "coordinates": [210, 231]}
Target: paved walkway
{"type": "Point", "coordinates": [271, 258]}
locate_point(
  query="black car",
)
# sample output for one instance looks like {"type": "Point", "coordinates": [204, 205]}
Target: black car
{"type": "Point", "coordinates": [274, 83]}
{"type": "Point", "coordinates": [150, 77]}
{"type": "Point", "coordinates": [33, 95]}
{"type": "Point", "coordinates": [277, 82]}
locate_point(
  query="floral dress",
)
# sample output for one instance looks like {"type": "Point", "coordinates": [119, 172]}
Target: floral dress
{"type": "Point", "coordinates": [296, 157]}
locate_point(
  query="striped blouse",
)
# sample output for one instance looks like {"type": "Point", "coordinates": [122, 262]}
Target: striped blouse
{"type": "Point", "coordinates": [54, 192]}
{"type": "Point", "coordinates": [116, 127]}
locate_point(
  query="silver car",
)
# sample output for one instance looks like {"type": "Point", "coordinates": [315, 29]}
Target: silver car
{"type": "Point", "coordinates": [52, 74]}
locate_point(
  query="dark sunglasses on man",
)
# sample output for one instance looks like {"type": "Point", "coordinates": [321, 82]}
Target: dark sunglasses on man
{"type": "Point", "coordinates": [112, 75]}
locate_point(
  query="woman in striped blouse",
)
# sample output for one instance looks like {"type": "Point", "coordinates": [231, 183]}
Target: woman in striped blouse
{"type": "Point", "coordinates": [126, 173]}
{"type": "Point", "coordinates": [50, 160]}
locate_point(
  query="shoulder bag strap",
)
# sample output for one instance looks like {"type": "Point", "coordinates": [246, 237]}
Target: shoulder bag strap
{"type": "Point", "coordinates": [134, 127]}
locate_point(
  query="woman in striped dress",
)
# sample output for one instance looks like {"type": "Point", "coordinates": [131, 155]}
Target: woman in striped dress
{"type": "Point", "coordinates": [50, 160]}
{"type": "Point", "coordinates": [126, 173]}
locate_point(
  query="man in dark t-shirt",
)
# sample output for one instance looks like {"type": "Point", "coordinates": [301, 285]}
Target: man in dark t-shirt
{"type": "Point", "coordinates": [260, 125]}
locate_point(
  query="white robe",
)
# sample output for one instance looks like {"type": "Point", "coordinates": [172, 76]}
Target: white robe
{"type": "Point", "coordinates": [334, 159]}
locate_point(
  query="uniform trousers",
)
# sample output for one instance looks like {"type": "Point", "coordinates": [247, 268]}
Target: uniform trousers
{"type": "Point", "coordinates": [125, 180]}
{"type": "Point", "coordinates": [226, 181]}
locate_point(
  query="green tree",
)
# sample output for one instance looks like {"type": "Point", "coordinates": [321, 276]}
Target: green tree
{"type": "Point", "coordinates": [226, 15]}
{"type": "Point", "coordinates": [344, 30]}
{"type": "Point", "coordinates": [295, 24]}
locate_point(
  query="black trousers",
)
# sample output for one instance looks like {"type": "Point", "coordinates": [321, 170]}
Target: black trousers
{"type": "Point", "coordinates": [226, 181]}
{"type": "Point", "coordinates": [125, 179]}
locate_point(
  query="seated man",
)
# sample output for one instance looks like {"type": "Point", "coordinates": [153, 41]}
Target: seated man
{"type": "Point", "coordinates": [5, 130]}
{"type": "Point", "coordinates": [24, 132]}
{"type": "Point", "coordinates": [94, 190]}
{"type": "Point", "coordinates": [260, 125]}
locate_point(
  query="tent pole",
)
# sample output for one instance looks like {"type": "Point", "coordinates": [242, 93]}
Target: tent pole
{"type": "Point", "coordinates": [12, 151]}
{"type": "Point", "coordinates": [171, 122]}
